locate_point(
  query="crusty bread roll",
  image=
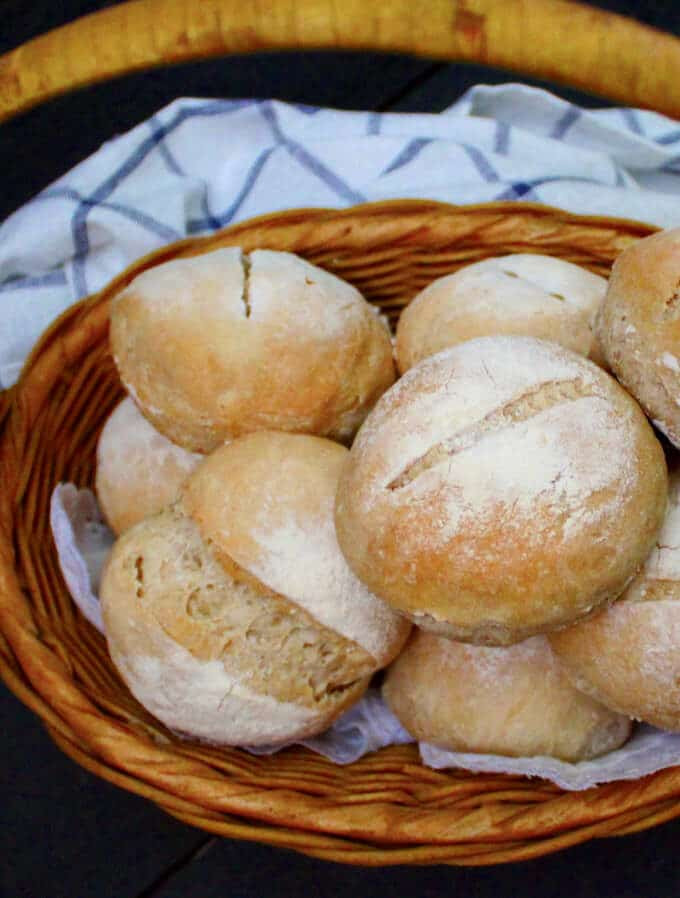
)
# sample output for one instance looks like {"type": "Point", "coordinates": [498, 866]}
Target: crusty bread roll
{"type": "Point", "coordinates": [139, 471]}
{"type": "Point", "coordinates": [265, 645]}
{"type": "Point", "coordinates": [639, 326]}
{"type": "Point", "coordinates": [266, 501]}
{"type": "Point", "coordinates": [513, 701]}
{"type": "Point", "coordinates": [223, 344]}
{"type": "Point", "coordinates": [629, 655]}
{"type": "Point", "coordinates": [502, 488]}
{"type": "Point", "coordinates": [523, 294]}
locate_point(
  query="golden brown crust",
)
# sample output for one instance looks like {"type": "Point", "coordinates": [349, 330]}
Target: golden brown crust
{"type": "Point", "coordinates": [169, 605]}
{"type": "Point", "coordinates": [199, 598]}
{"type": "Point", "coordinates": [139, 471]}
{"type": "Point", "coordinates": [523, 294]}
{"type": "Point", "coordinates": [224, 344]}
{"type": "Point", "coordinates": [639, 326]}
{"type": "Point", "coordinates": [513, 701]}
{"type": "Point", "coordinates": [266, 501]}
{"type": "Point", "coordinates": [503, 487]}
{"type": "Point", "coordinates": [628, 656]}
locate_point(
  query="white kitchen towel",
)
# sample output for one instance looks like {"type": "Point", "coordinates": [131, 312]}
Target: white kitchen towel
{"type": "Point", "coordinates": [198, 165]}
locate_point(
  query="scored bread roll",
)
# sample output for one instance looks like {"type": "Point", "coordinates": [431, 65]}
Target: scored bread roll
{"type": "Point", "coordinates": [266, 501]}
{"type": "Point", "coordinates": [502, 488]}
{"type": "Point", "coordinates": [639, 326]}
{"type": "Point", "coordinates": [629, 655]}
{"type": "Point", "coordinates": [139, 471]}
{"type": "Point", "coordinates": [237, 653]}
{"type": "Point", "coordinates": [523, 294]}
{"type": "Point", "coordinates": [226, 343]}
{"type": "Point", "coordinates": [213, 657]}
{"type": "Point", "coordinates": [514, 700]}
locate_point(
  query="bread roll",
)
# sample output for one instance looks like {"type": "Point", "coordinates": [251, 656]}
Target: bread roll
{"type": "Point", "coordinates": [629, 655]}
{"type": "Point", "coordinates": [266, 502]}
{"type": "Point", "coordinates": [513, 701]}
{"type": "Point", "coordinates": [502, 488]}
{"type": "Point", "coordinates": [255, 654]}
{"type": "Point", "coordinates": [139, 472]}
{"type": "Point", "coordinates": [523, 294]}
{"type": "Point", "coordinates": [639, 327]}
{"type": "Point", "coordinates": [219, 345]}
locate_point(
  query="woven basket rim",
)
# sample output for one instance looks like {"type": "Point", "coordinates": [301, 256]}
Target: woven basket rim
{"type": "Point", "coordinates": [386, 208]}
{"type": "Point", "coordinates": [371, 833]}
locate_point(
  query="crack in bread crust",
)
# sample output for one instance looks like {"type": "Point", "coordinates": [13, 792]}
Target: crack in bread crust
{"type": "Point", "coordinates": [204, 602]}
{"type": "Point", "coordinates": [522, 408]}
{"type": "Point", "coordinates": [671, 307]}
{"type": "Point", "coordinates": [246, 265]}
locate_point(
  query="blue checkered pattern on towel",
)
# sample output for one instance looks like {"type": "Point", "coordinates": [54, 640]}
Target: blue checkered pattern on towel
{"type": "Point", "coordinates": [199, 165]}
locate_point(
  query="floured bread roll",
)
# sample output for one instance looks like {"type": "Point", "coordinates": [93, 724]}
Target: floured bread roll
{"type": "Point", "coordinates": [629, 655]}
{"type": "Point", "coordinates": [513, 701]}
{"type": "Point", "coordinates": [523, 295]}
{"type": "Point", "coordinates": [639, 326]}
{"type": "Point", "coordinates": [232, 616]}
{"type": "Point", "coordinates": [502, 488]}
{"type": "Point", "coordinates": [139, 471]}
{"type": "Point", "coordinates": [222, 344]}
{"type": "Point", "coordinates": [266, 503]}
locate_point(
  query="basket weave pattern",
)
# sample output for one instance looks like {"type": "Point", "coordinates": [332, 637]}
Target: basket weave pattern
{"type": "Point", "coordinates": [386, 808]}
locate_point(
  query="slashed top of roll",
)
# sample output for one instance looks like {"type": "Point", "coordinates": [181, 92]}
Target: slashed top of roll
{"type": "Point", "coordinates": [501, 488]}
{"type": "Point", "coordinates": [572, 283]}
{"type": "Point", "coordinates": [539, 420]}
{"type": "Point", "coordinates": [214, 657]}
{"type": "Point", "coordinates": [226, 343]}
{"type": "Point", "coordinates": [266, 500]}
{"type": "Point", "coordinates": [522, 294]}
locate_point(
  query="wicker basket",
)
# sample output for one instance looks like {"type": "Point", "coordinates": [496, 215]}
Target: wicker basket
{"type": "Point", "coordinates": [386, 808]}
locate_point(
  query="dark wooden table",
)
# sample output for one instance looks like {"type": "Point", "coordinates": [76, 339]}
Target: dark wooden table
{"type": "Point", "coordinates": [64, 832]}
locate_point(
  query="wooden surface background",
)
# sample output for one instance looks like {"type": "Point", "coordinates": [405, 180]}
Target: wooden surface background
{"type": "Point", "coordinates": [62, 831]}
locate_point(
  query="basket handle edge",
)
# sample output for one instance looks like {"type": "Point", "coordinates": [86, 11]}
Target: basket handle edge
{"type": "Point", "coordinates": [561, 41]}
